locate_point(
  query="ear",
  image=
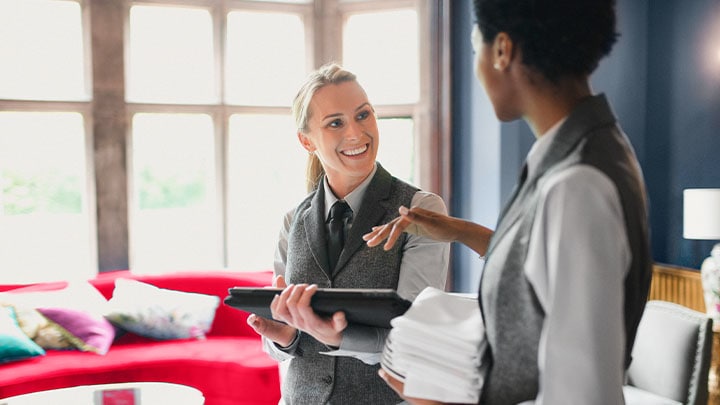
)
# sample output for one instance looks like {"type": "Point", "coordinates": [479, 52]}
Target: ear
{"type": "Point", "coordinates": [503, 50]}
{"type": "Point", "coordinates": [306, 142]}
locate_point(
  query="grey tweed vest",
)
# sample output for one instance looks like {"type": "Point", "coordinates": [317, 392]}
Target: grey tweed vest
{"type": "Point", "coordinates": [513, 316]}
{"type": "Point", "coordinates": [314, 378]}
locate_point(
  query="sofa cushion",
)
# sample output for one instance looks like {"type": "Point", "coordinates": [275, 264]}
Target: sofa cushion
{"type": "Point", "coordinates": [79, 295]}
{"type": "Point", "coordinates": [14, 344]}
{"type": "Point", "coordinates": [85, 331]}
{"type": "Point", "coordinates": [161, 313]}
{"type": "Point", "coordinates": [228, 321]}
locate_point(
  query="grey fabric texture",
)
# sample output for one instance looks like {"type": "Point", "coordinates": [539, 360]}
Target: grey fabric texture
{"type": "Point", "coordinates": [314, 378]}
{"type": "Point", "coordinates": [672, 354]}
{"type": "Point", "coordinates": [513, 316]}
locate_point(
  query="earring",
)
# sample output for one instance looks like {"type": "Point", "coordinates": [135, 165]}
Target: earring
{"type": "Point", "coordinates": [497, 65]}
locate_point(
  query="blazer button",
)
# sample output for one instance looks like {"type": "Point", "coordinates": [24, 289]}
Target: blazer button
{"type": "Point", "coordinates": [327, 379]}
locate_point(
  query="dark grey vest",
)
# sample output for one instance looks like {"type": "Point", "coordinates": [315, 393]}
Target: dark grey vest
{"type": "Point", "coordinates": [513, 316]}
{"type": "Point", "coordinates": [314, 378]}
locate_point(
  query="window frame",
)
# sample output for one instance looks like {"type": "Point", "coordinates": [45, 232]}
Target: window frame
{"type": "Point", "coordinates": [108, 116]}
{"type": "Point", "coordinates": [83, 106]}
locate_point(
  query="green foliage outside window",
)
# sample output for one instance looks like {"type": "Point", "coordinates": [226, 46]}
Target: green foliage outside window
{"type": "Point", "coordinates": [176, 190]}
{"type": "Point", "coordinates": [45, 192]}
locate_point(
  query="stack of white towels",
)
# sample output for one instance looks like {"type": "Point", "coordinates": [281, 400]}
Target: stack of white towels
{"type": "Point", "coordinates": [436, 347]}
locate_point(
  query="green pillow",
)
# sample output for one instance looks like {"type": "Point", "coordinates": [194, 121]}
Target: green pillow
{"type": "Point", "coordinates": [14, 344]}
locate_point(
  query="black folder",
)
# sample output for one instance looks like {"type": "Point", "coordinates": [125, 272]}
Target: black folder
{"type": "Point", "coordinates": [371, 307]}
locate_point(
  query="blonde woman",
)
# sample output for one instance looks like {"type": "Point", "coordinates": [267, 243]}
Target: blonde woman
{"type": "Point", "coordinates": [337, 126]}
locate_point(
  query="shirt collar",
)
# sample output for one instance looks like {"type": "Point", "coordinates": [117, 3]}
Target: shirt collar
{"type": "Point", "coordinates": [541, 146]}
{"type": "Point", "coordinates": [354, 199]}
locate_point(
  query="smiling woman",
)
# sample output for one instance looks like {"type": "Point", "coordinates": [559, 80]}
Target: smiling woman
{"type": "Point", "coordinates": [321, 245]}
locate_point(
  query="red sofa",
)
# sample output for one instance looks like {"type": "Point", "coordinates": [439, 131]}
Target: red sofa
{"type": "Point", "coordinates": [229, 366]}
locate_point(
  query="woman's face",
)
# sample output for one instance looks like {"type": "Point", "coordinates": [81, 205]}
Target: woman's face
{"type": "Point", "coordinates": [343, 133]}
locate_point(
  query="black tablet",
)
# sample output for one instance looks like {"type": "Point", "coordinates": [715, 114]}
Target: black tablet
{"type": "Point", "coordinates": [372, 307]}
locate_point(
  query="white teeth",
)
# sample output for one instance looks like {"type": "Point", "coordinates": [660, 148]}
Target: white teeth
{"type": "Point", "coordinates": [354, 152]}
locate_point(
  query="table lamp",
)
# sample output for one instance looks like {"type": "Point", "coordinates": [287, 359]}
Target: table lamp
{"type": "Point", "coordinates": [701, 220]}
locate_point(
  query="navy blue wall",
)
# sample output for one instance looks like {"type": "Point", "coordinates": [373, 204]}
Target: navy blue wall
{"type": "Point", "coordinates": [476, 146]}
{"type": "Point", "coordinates": [683, 118]}
{"type": "Point", "coordinates": [663, 80]}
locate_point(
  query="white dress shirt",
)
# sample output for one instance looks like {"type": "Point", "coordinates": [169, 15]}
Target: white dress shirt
{"type": "Point", "coordinates": [577, 261]}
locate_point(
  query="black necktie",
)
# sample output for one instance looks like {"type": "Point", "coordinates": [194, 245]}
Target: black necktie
{"type": "Point", "coordinates": [336, 236]}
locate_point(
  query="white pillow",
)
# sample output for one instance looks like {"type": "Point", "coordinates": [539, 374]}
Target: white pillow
{"type": "Point", "coordinates": [160, 313]}
{"type": "Point", "coordinates": [78, 295]}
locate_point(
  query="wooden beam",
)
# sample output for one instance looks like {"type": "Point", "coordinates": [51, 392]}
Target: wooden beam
{"type": "Point", "coordinates": [110, 126]}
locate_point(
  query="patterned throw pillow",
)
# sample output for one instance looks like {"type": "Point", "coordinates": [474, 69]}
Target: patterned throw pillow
{"type": "Point", "coordinates": [62, 319]}
{"type": "Point", "coordinates": [14, 344]}
{"type": "Point", "coordinates": [160, 313]}
{"type": "Point", "coordinates": [83, 330]}
{"type": "Point", "coordinates": [38, 328]}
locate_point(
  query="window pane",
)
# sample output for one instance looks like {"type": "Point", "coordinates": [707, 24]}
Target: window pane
{"type": "Point", "coordinates": [390, 37]}
{"type": "Point", "coordinates": [175, 212]}
{"type": "Point", "coordinates": [44, 223]}
{"type": "Point", "coordinates": [267, 71]}
{"type": "Point", "coordinates": [171, 55]}
{"type": "Point", "coordinates": [397, 147]}
{"type": "Point", "coordinates": [41, 45]}
{"type": "Point", "coordinates": [266, 178]}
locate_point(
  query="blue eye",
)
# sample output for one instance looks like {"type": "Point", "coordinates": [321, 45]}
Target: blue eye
{"type": "Point", "coordinates": [363, 115]}
{"type": "Point", "coordinates": [335, 123]}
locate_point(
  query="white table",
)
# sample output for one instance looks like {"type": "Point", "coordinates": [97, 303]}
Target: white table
{"type": "Point", "coordinates": [135, 393]}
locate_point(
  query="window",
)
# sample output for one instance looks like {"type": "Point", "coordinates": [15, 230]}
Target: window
{"type": "Point", "coordinates": [46, 230]}
{"type": "Point", "coordinates": [185, 156]}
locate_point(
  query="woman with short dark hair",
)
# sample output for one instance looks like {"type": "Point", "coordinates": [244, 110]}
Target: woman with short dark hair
{"type": "Point", "coordinates": [568, 267]}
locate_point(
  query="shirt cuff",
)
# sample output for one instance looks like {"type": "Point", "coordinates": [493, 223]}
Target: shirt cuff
{"type": "Point", "coordinates": [291, 348]}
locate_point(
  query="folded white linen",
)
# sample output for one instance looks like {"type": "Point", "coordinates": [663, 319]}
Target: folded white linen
{"type": "Point", "coordinates": [436, 347]}
{"type": "Point", "coordinates": [412, 341]}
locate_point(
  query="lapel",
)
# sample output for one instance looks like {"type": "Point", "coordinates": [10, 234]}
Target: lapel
{"type": "Point", "coordinates": [314, 222]}
{"type": "Point", "coordinates": [592, 113]}
{"type": "Point", "coordinates": [373, 209]}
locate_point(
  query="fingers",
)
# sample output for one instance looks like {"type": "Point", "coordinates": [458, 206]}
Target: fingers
{"type": "Point", "coordinates": [389, 232]}
{"type": "Point", "coordinates": [292, 306]}
{"type": "Point", "coordinates": [275, 331]}
{"type": "Point", "coordinates": [339, 322]}
{"type": "Point", "coordinates": [399, 387]}
{"type": "Point", "coordinates": [279, 282]}
{"type": "Point", "coordinates": [396, 385]}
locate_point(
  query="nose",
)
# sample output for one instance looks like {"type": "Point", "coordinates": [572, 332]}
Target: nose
{"type": "Point", "coordinates": [353, 131]}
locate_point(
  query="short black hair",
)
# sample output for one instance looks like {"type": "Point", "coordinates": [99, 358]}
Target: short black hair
{"type": "Point", "coordinates": [558, 38]}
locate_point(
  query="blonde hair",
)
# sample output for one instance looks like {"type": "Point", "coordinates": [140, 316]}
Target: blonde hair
{"type": "Point", "coordinates": [330, 73]}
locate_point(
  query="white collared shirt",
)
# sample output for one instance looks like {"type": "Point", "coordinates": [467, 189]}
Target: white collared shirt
{"type": "Point", "coordinates": [577, 261]}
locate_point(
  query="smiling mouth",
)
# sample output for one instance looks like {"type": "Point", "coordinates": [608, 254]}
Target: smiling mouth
{"type": "Point", "coordinates": [356, 151]}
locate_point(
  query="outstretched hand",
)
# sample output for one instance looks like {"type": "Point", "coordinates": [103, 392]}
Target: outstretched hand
{"type": "Point", "coordinates": [422, 222]}
{"type": "Point", "coordinates": [417, 221]}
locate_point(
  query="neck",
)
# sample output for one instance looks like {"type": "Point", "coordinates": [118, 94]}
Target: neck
{"type": "Point", "coordinates": [548, 103]}
{"type": "Point", "coordinates": [341, 186]}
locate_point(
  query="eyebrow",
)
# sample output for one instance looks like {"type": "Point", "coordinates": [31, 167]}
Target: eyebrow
{"type": "Point", "coordinates": [360, 107]}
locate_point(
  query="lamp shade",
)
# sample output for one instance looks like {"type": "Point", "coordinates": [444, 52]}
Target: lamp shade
{"type": "Point", "coordinates": [701, 213]}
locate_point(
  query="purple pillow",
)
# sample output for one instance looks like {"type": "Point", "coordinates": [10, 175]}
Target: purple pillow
{"type": "Point", "coordinates": [85, 331]}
